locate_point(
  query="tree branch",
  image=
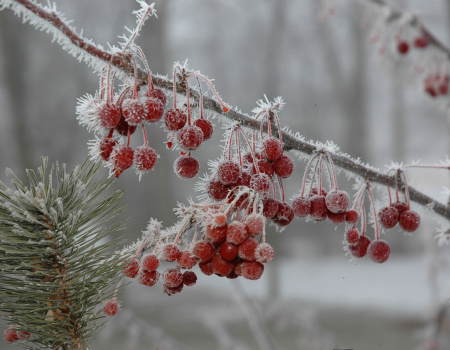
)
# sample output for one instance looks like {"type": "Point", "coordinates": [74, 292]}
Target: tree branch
{"type": "Point", "coordinates": [122, 63]}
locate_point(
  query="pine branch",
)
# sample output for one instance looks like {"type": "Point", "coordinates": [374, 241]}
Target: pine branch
{"type": "Point", "coordinates": [56, 256]}
{"type": "Point", "coordinates": [48, 20]}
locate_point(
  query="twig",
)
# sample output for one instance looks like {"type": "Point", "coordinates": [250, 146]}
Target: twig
{"type": "Point", "coordinates": [122, 63]}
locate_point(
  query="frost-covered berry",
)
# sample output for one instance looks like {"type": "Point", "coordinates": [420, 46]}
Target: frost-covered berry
{"type": "Point", "coordinates": [220, 266]}
{"type": "Point", "coordinates": [175, 119]}
{"type": "Point", "coordinates": [255, 224]}
{"type": "Point", "coordinates": [400, 206]}
{"type": "Point", "coordinates": [352, 236]}
{"type": "Point", "coordinates": [337, 201]}
{"type": "Point", "coordinates": [123, 128]}
{"type": "Point", "coordinates": [150, 262]}
{"type": "Point", "coordinates": [204, 251]}
{"type": "Point", "coordinates": [111, 307]}
{"type": "Point", "coordinates": [402, 47]}
{"type": "Point", "coordinates": [173, 278]}
{"type": "Point", "coordinates": [352, 216]}
{"type": "Point", "coordinates": [220, 220]}
{"type": "Point", "coordinates": [228, 251]}
{"type": "Point", "coordinates": [206, 268]}
{"type": "Point", "coordinates": [318, 208]}
{"type": "Point", "coordinates": [109, 115]}
{"type": "Point", "coordinates": [154, 110]}
{"type": "Point", "coordinates": [284, 166]}
{"type": "Point", "coordinates": [171, 291]}
{"type": "Point", "coordinates": [236, 232]}
{"type": "Point", "coordinates": [260, 183]}
{"type": "Point", "coordinates": [186, 167]}
{"type": "Point", "coordinates": [159, 94]}
{"type": "Point", "coordinates": [301, 206]}
{"type": "Point", "coordinates": [409, 220]}
{"type": "Point", "coordinates": [388, 216]}
{"type": "Point", "coordinates": [272, 148]}
{"type": "Point", "coordinates": [270, 207]}
{"type": "Point", "coordinates": [228, 172]}
{"type": "Point", "coordinates": [122, 157]}
{"type": "Point", "coordinates": [206, 126]}
{"type": "Point", "coordinates": [244, 179]}
{"type": "Point", "coordinates": [379, 251]}
{"type": "Point", "coordinates": [421, 42]}
{"type": "Point", "coordinates": [145, 158]}
{"type": "Point", "coordinates": [336, 218]}
{"type": "Point", "coordinates": [132, 268]}
{"type": "Point", "coordinates": [251, 270]}
{"type": "Point", "coordinates": [133, 111]}
{"type": "Point", "coordinates": [170, 252]}
{"type": "Point", "coordinates": [284, 215]}
{"type": "Point", "coordinates": [359, 249]}
{"type": "Point", "coordinates": [189, 278]}
{"type": "Point", "coordinates": [217, 190]}
{"type": "Point", "coordinates": [106, 147]}
{"type": "Point", "coordinates": [190, 137]}
{"type": "Point", "coordinates": [246, 250]}
{"type": "Point", "coordinates": [187, 260]}
{"type": "Point", "coordinates": [264, 253]}
{"type": "Point", "coordinates": [216, 234]}
{"type": "Point", "coordinates": [265, 167]}
{"type": "Point", "coordinates": [10, 335]}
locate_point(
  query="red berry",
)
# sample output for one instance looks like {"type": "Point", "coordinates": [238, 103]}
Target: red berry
{"type": "Point", "coordinates": [409, 220]}
{"type": "Point", "coordinates": [217, 190]}
{"type": "Point", "coordinates": [359, 249]}
{"type": "Point", "coordinates": [23, 334]}
{"type": "Point", "coordinates": [132, 268]}
{"type": "Point", "coordinates": [236, 232]}
{"type": "Point", "coordinates": [403, 47]}
{"type": "Point", "coordinates": [133, 111]}
{"type": "Point", "coordinates": [123, 128]}
{"type": "Point", "coordinates": [190, 137]}
{"type": "Point", "coordinates": [173, 278]}
{"type": "Point", "coordinates": [220, 266]}
{"type": "Point", "coordinates": [336, 218]}
{"type": "Point", "coordinates": [145, 158]}
{"type": "Point", "coordinates": [247, 249]}
{"type": "Point", "coordinates": [237, 269]}
{"type": "Point", "coordinates": [220, 220]}
{"type": "Point", "coordinates": [228, 251]}
{"type": "Point", "coordinates": [252, 270]}
{"type": "Point", "coordinates": [270, 207]}
{"type": "Point", "coordinates": [159, 94]}
{"type": "Point", "coordinates": [264, 167]}
{"type": "Point", "coordinates": [216, 234]}
{"type": "Point", "coordinates": [150, 262]}
{"type": "Point", "coordinates": [351, 216]}
{"type": "Point", "coordinates": [264, 253]}
{"type": "Point", "coordinates": [244, 179]}
{"type": "Point", "coordinates": [206, 126]}
{"type": "Point", "coordinates": [260, 183]}
{"type": "Point", "coordinates": [189, 278]}
{"type": "Point", "coordinates": [170, 252]}
{"type": "Point", "coordinates": [283, 166]}
{"type": "Point", "coordinates": [122, 157]}
{"type": "Point", "coordinates": [352, 236]}
{"type": "Point", "coordinates": [443, 88]}
{"type": "Point", "coordinates": [284, 215]}
{"type": "Point", "coordinates": [186, 167]}
{"type": "Point", "coordinates": [10, 335]}
{"type": "Point", "coordinates": [154, 110]}
{"type": "Point", "coordinates": [337, 201]}
{"type": "Point", "coordinates": [228, 172]}
{"type": "Point", "coordinates": [106, 147]}
{"type": "Point", "coordinates": [109, 116]}
{"type": "Point", "coordinates": [171, 291]}
{"type": "Point", "coordinates": [421, 42]}
{"type": "Point", "coordinates": [273, 148]}
{"type": "Point", "coordinates": [255, 224]}
{"type": "Point", "coordinates": [400, 206]}
{"type": "Point", "coordinates": [186, 260]}
{"type": "Point", "coordinates": [379, 251]}
{"type": "Point", "coordinates": [301, 206]}
{"type": "Point", "coordinates": [175, 119]}
{"type": "Point", "coordinates": [318, 208]}
{"type": "Point", "coordinates": [388, 216]}
{"type": "Point", "coordinates": [111, 307]}
{"type": "Point", "coordinates": [204, 251]}
{"type": "Point", "coordinates": [206, 268]}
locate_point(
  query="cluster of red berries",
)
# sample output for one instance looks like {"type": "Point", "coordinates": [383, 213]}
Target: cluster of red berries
{"type": "Point", "coordinates": [11, 335]}
{"type": "Point", "coordinates": [419, 42]}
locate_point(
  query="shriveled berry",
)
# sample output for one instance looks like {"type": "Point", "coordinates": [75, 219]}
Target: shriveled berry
{"type": "Point", "coordinates": [352, 236]}
{"type": "Point", "coordinates": [403, 47]}
{"type": "Point", "coordinates": [284, 215]}
{"type": "Point", "coordinates": [154, 110]}
{"type": "Point", "coordinates": [255, 224]}
{"type": "Point", "coordinates": [352, 216]}
{"type": "Point", "coordinates": [264, 253]}
{"type": "Point", "coordinates": [270, 207]}
{"type": "Point", "coordinates": [133, 111]}
{"type": "Point", "coordinates": [252, 270]}
{"type": "Point", "coordinates": [186, 167]}
{"type": "Point", "coordinates": [123, 128]}
{"type": "Point", "coordinates": [273, 148]}
{"type": "Point", "coordinates": [228, 172]}
{"type": "Point", "coordinates": [175, 119]}
{"type": "Point", "coordinates": [109, 115]}
{"type": "Point", "coordinates": [132, 268]}
{"type": "Point", "coordinates": [337, 201]}
{"type": "Point", "coordinates": [173, 278]}
{"type": "Point", "coordinates": [150, 262]}
{"type": "Point", "coordinates": [409, 220]}
{"type": "Point", "coordinates": [228, 251]}
{"type": "Point", "coordinates": [206, 268]}
{"type": "Point", "coordinates": [318, 208]}
{"type": "Point", "coordinates": [260, 183]}
{"type": "Point", "coordinates": [388, 216]}
{"type": "Point", "coordinates": [284, 166]}
{"type": "Point", "coordinates": [217, 190]}
{"type": "Point", "coordinates": [170, 252]}
{"type": "Point", "coordinates": [190, 137]}
{"type": "Point", "coordinates": [336, 218]}
{"type": "Point", "coordinates": [216, 234]}
{"type": "Point", "coordinates": [10, 335]}
{"type": "Point", "coordinates": [246, 250]}
{"type": "Point", "coordinates": [111, 307]}
{"type": "Point", "coordinates": [159, 94]}
{"type": "Point", "coordinates": [359, 249]}
{"type": "Point", "coordinates": [106, 147]}
{"type": "Point", "coordinates": [206, 126]}
{"type": "Point", "coordinates": [400, 206]}
{"type": "Point", "coordinates": [204, 251]}
{"type": "Point", "coordinates": [379, 251]}
{"type": "Point", "coordinates": [186, 260]}
{"type": "Point", "coordinates": [189, 278]}
{"type": "Point", "coordinates": [301, 206]}
{"type": "Point", "coordinates": [236, 232]}
{"type": "Point", "coordinates": [145, 158]}
{"type": "Point", "coordinates": [220, 266]}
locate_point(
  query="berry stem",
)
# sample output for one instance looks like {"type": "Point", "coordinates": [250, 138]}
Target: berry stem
{"type": "Point", "coordinates": [188, 95]}
{"type": "Point", "coordinates": [251, 149]}
{"type": "Point", "coordinates": [305, 173]}
{"type": "Point", "coordinates": [334, 184]}
{"type": "Point", "coordinates": [144, 134]}
{"type": "Point", "coordinates": [374, 212]}
{"type": "Point", "coordinates": [406, 187]}
{"type": "Point", "coordinates": [211, 87]}
{"type": "Point", "coordinates": [280, 184]}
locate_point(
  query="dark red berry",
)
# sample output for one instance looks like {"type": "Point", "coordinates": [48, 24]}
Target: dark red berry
{"type": "Point", "coordinates": [170, 252]}
{"type": "Point", "coordinates": [409, 220]}
{"type": "Point", "coordinates": [216, 234]}
{"type": "Point", "coordinates": [123, 128]}
{"type": "Point", "coordinates": [217, 190]}
{"type": "Point", "coordinates": [388, 216]}
{"type": "Point", "coordinates": [379, 251]}
{"type": "Point", "coordinates": [189, 278]}
{"type": "Point", "coordinates": [190, 137]}
{"type": "Point", "coordinates": [284, 215]}
{"type": "Point", "coordinates": [106, 147]}
{"type": "Point", "coordinates": [283, 166]}
{"type": "Point", "coordinates": [206, 126]}
{"type": "Point", "coordinates": [228, 172]}
{"type": "Point", "coordinates": [175, 119]}
{"type": "Point", "coordinates": [206, 268]}
{"type": "Point", "coordinates": [351, 216]}
{"type": "Point", "coordinates": [122, 157]}
{"type": "Point", "coordinates": [186, 167]}
{"type": "Point", "coordinates": [318, 208]}
{"type": "Point", "coordinates": [109, 116]}
{"type": "Point", "coordinates": [154, 110]}
{"type": "Point", "coordinates": [336, 218]}
{"type": "Point", "coordinates": [301, 206]}
{"type": "Point", "coordinates": [400, 206]}
{"type": "Point", "coordinates": [132, 268]}
{"type": "Point", "coordinates": [171, 291]}
{"type": "Point", "coordinates": [359, 249]}
{"type": "Point", "coordinates": [228, 251]}
{"type": "Point", "coordinates": [173, 278]}
{"type": "Point", "coordinates": [133, 111]}
{"type": "Point", "coordinates": [10, 335]}
{"type": "Point", "coordinates": [270, 207]}
{"type": "Point", "coordinates": [255, 224]}
{"type": "Point", "coordinates": [272, 148]}
{"type": "Point", "coordinates": [421, 42]}
{"type": "Point", "coordinates": [247, 249]}
{"type": "Point", "coordinates": [403, 47]}
{"type": "Point", "coordinates": [352, 236]}
{"type": "Point", "coordinates": [204, 251]}
{"type": "Point", "coordinates": [252, 270]}
{"type": "Point", "coordinates": [337, 201]}
{"type": "Point", "coordinates": [264, 167]}
{"type": "Point", "coordinates": [244, 179]}
{"type": "Point", "coordinates": [150, 262]}
{"type": "Point", "coordinates": [264, 253]}
{"type": "Point", "coordinates": [145, 158]}
{"type": "Point", "coordinates": [220, 266]}
{"type": "Point", "coordinates": [159, 94]}
{"type": "Point", "coordinates": [260, 183]}
{"type": "Point", "coordinates": [187, 260]}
